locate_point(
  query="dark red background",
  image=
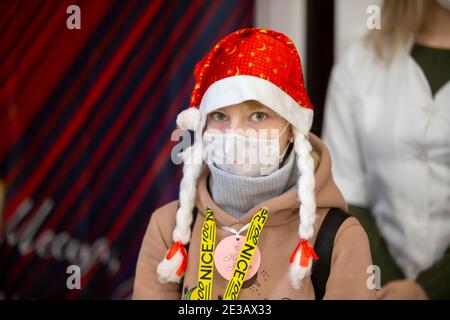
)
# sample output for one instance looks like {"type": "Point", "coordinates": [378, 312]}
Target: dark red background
{"type": "Point", "coordinates": [86, 118]}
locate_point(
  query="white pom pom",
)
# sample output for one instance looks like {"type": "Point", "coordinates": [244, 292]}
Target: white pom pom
{"type": "Point", "coordinates": [171, 269]}
{"type": "Point", "coordinates": [189, 119]}
{"type": "Point", "coordinates": [296, 272]}
{"type": "Point", "coordinates": [300, 266]}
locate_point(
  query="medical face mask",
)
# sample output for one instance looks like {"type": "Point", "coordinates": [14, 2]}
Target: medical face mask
{"type": "Point", "coordinates": [250, 155]}
{"type": "Point", "coordinates": [444, 3]}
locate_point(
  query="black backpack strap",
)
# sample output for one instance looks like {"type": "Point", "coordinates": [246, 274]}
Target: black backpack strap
{"type": "Point", "coordinates": [324, 249]}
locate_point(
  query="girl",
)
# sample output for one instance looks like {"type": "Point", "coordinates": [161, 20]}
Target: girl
{"type": "Point", "coordinates": [256, 188]}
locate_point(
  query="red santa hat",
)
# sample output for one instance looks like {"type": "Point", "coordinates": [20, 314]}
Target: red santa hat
{"type": "Point", "coordinates": [248, 64]}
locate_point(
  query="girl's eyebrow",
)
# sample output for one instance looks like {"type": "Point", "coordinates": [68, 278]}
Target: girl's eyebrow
{"type": "Point", "coordinates": [221, 110]}
{"type": "Point", "coordinates": [254, 105]}
{"type": "Point", "coordinates": [262, 108]}
{"type": "Point", "coordinates": [259, 108]}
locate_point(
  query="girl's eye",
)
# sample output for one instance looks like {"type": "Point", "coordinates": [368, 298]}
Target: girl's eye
{"type": "Point", "coordinates": [219, 116]}
{"type": "Point", "coordinates": [258, 116]}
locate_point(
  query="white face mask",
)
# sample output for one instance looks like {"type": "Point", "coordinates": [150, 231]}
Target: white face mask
{"type": "Point", "coordinates": [250, 156]}
{"type": "Point", "coordinates": [444, 3]}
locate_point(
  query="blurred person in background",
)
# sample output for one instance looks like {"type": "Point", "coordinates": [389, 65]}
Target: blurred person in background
{"type": "Point", "coordinates": [387, 124]}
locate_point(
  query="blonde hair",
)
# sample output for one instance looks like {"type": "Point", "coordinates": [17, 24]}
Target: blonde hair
{"type": "Point", "coordinates": [253, 104]}
{"type": "Point", "coordinates": [400, 19]}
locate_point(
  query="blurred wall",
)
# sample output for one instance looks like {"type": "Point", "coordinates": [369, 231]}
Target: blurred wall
{"type": "Point", "coordinates": [287, 16]}
{"type": "Point", "coordinates": [350, 22]}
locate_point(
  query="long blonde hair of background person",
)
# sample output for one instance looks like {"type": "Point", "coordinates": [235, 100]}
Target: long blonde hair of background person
{"type": "Point", "coordinates": [400, 19]}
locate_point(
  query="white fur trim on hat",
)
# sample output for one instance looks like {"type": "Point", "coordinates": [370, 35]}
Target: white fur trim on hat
{"type": "Point", "coordinates": [240, 88]}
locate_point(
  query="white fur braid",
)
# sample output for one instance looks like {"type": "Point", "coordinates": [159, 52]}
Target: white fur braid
{"type": "Point", "coordinates": [303, 256]}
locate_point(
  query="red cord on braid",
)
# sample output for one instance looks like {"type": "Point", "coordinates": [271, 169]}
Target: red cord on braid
{"type": "Point", "coordinates": [178, 246]}
{"type": "Point", "coordinates": [307, 253]}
